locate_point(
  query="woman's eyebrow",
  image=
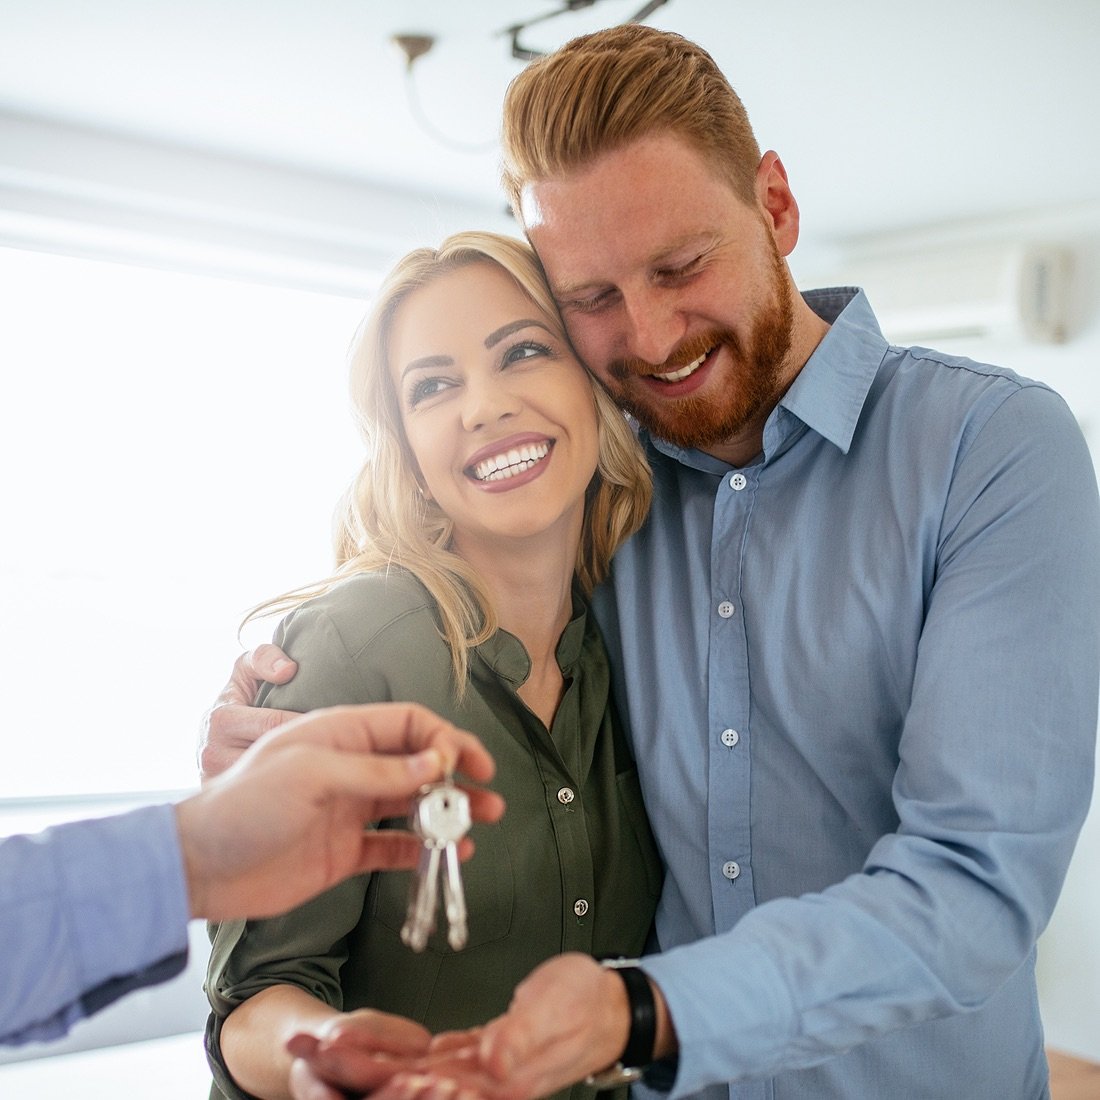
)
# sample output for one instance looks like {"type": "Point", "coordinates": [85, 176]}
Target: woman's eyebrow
{"type": "Point", "coordinates": [514, 326]}
{"type": "Point", "coordinates": [427, 362]}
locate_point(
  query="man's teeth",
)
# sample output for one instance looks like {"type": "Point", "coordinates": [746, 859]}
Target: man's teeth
{"type": "Point", "coordinates": [511, 462]}
{"type": "Point", "coordinates": [683, 372]}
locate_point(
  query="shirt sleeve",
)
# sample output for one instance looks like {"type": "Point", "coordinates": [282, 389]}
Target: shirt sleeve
{"type": "Point", "coordinates": [992, 785]}
{"type": "Point", "coordinates": [89, 911]}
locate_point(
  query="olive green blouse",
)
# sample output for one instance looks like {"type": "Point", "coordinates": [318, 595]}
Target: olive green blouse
{"type": "Point", "coordinates": [571, 867]}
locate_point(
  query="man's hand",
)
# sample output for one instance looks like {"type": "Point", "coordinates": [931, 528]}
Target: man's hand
{"type": "Point", "coordinates": [233, 723]}
{"type": "Point", "coordinates": [568, 1018]}
{"type": "Point", "coordinates": [287, 821]}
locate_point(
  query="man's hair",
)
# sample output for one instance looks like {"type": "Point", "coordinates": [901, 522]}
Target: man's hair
{"type": "Point", "coordinates": [602, 91]}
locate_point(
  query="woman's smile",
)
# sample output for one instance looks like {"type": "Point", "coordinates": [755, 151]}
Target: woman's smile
{"type": "Point", "coordinates": [507, 461]}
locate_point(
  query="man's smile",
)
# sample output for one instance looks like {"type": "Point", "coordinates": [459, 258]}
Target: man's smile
{"type": "Point", "coordinates": [681, 373]}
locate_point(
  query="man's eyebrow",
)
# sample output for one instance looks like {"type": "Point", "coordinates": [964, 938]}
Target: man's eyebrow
{"type": "Point", "coordinates": [571, 290]}
{"type": "Point", "coordinates": [514, 326]}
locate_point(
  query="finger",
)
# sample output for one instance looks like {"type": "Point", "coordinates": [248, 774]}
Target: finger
{"type": "Point", "coordinates": [378, 1032]}
{"type": "Point", "coordinates": [403, 728]}
{"type": "Point", "coordinates": [266, 662]}
{"type": "Point", "coordinates": [306, 1085]}
{"type": "Point", "coordinates": [230, 728]}
{"type": "Point", "coordinates": [372, 776]}
{"type": "Point", "coordinates": [353, 1070]}
{"type": "Point", "coordinates": [240, 724]}
{"type": "Point", "coordinates": [452, 1041]}
{"type": "Point", "coordinates": [303, 1044]}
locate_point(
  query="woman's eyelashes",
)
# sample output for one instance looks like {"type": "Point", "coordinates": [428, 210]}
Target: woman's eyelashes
{"type": "Point", "coordinates": [427, 386]}
{"type": "Point", "coordinates": [524, 350]}
{"type": "Point", "coordinates": [421, 389]}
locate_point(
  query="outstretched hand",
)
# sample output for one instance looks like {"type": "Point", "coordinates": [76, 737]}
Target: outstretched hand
{"type": "Point", "coordinates": [287, 821]}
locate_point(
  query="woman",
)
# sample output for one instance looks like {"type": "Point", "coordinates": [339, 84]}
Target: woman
{"type": "Point", "coordinates": [499, 481]}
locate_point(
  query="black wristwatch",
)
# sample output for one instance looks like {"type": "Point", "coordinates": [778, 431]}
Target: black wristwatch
{"type": "Point", "coordinates": [638, 1052]}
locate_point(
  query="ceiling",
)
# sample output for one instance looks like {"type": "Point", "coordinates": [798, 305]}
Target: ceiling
{"type": "Point", "coordinates": [886, 115]}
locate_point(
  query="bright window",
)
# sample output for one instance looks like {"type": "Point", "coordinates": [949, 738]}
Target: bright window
{"type": "Point", "coordinates": [172, 446]}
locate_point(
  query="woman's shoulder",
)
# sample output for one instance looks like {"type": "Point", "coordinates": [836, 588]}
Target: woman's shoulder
{"type": "Point", "coordinates": [365, 605]}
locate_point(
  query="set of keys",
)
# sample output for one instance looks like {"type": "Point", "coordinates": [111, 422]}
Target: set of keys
{"type": "Point", "coordinates": [440, 816]}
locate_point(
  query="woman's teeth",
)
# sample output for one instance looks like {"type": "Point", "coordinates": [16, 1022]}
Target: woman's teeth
{"type": "Point", "coordinates": [511, 462]}
{"type": "Point", "coordinates": [683, 372]}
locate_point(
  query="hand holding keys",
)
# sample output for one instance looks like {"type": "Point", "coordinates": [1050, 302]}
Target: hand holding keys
{"type": "Point", "coordinates": [441, 818]}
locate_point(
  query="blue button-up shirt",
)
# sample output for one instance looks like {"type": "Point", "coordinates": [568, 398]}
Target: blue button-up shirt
{"type": "Point", "coordinates": [861, 678]}
{"type": "Point", "coordinates": [88, 911]}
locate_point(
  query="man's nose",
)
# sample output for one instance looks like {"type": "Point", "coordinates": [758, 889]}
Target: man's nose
{"type": "Point", "coordinates": [655, 326]}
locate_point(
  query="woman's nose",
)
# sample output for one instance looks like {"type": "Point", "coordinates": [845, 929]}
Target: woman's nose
{"type": "Point", "coordinates": [485, 402]}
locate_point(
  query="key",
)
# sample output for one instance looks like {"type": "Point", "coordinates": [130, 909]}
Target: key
{"type": "Point", "coordinates": [440, 816]}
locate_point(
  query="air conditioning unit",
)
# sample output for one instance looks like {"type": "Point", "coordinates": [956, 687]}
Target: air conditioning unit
{"type": "Point", "coordinates": [993, 290]}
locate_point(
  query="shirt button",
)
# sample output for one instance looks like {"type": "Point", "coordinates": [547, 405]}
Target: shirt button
{"type": "Point", "coordinates": [580, 907]}
{"type": "Point", "coordinates": [738, 482]}
{"type": "Point", "coordinates": [725, 609]}
{"type": "Point", "coordinates": [730, 738]}
{"type": "Point", "coordinates": [731, 870]}
{"type": "Point", "coordinates": [565, 796]}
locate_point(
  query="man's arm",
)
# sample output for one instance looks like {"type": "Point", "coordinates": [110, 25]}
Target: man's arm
{"type": "Point", "coordinates": [88, 911]}
{"type": "Point", "coordinates": [91, 910]}
{"type": "Point", "coordinates": [992, 784]}
{"type": "Point", "coordinates": [233, 723]}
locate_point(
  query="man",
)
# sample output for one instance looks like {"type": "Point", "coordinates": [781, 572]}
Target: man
{"type": "Point", "coordinates": [857, 641]}
{"type": "Point", "coordinates": [93, 909]}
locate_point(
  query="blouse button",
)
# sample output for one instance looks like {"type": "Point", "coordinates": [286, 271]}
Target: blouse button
{"type": "Point", "coordinates": [731, 870]}
{"type": "Point", "coordinates": [565, 796]}
{"type": "Point", "coordinates": [580, 907]}
{"type": "Point", "coordinates": [725, 609]}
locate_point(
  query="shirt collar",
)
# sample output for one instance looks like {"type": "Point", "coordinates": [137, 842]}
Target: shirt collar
{"type": "Point", "coordinates": [505, 655]}
{"type": "Point", "coordinates": [828, 394]}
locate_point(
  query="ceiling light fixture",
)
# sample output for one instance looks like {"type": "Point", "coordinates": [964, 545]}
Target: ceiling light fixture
{"type": "Point", "coordinates": [525, 53]}
{"type": "Point", "coordinates": [415, 45]}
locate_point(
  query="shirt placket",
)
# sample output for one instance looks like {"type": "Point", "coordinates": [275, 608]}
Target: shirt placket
{"type": "Point", "coordinates": [728, 711]}
{"type": "Point", "coordinates": [564, 795]}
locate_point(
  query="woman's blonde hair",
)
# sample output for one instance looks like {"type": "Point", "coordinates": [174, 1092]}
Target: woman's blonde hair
{"type": "Point", "coordinates": [602, 91]}
{"type": "Point", "coordinates": [384, 519]}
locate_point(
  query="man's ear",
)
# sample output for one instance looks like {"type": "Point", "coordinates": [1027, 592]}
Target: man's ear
{"type": "Point", "coordinates": [777, 202]}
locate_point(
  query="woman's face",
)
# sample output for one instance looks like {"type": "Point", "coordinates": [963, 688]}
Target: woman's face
{"type": "Point", "coordinates": [497, 410]}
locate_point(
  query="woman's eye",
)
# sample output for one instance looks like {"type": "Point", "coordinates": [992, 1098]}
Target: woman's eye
{"type": "Point", "coordinates": [424, 388]}
{"type": "Point", "coordinates": [528, 349]}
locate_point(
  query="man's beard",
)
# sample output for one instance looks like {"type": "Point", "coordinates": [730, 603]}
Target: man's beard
{"type": "Point", "coordinates": [756, 384]}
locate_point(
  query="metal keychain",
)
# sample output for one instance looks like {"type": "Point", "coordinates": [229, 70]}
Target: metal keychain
{"type": "Point", "coordinates": [440, 816]}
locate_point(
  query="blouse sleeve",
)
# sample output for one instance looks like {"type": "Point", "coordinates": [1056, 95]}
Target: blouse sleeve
{"type": "Point", "coordinates": [307, 946]}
